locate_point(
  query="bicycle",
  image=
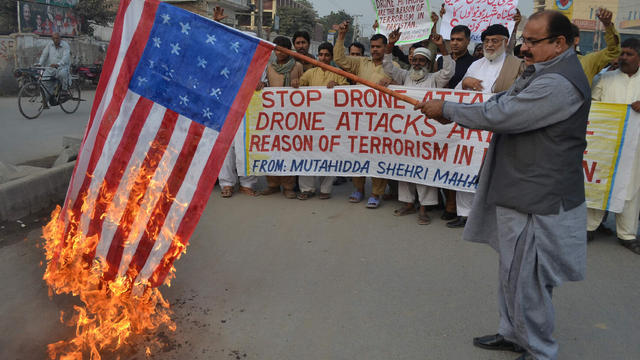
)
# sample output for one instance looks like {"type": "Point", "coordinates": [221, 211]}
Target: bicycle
{"type": "Point", "coordinates": [34, 95]}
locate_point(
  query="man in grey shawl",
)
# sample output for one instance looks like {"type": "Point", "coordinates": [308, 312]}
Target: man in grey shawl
{"type": "Point", "coordinates": [530, 204]}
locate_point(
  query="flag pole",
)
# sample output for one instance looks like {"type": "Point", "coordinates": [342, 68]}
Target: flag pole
{"type": "Point", "coordinates": [348, 75]}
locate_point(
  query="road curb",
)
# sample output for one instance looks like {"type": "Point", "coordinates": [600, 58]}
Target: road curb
{"type": "Point", "coordinates": [32, 193]}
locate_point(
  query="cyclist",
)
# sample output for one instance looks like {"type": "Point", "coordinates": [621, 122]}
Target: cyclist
{"type": "Point", "coordinates": [56, 56]}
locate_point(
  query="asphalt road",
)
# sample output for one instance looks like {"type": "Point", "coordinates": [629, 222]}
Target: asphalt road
{"type": "Point", "coordinates": [284, 279]}
{"type": "Point", "coordinates": [23, 140]}
{"type": "Point", "coordinates": [272, 278]}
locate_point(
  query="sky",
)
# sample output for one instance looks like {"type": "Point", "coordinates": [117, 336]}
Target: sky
{"type": "Point", "coordinates": [365, 8]}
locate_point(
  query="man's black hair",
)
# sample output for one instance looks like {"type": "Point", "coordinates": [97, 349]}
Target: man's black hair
{"type": "Point", "coordinates": [557, 24]}
{"type": "Point", "coordinates": [462, 29]}
{"type": "Point", "coordinates": [326, 46]}
{"type": "Point", "coordinates": [416, 45]}
{"type": "Point", "coordinates": [378, 37]}
{"type": "Point", "coordinates": [282, 41]}
{"type": "Point", "coordinates": [301, 33]}
{"type": "Point", "coordinates": [358, 45]}
{"type": "Point", "coordinates": [632, 43]}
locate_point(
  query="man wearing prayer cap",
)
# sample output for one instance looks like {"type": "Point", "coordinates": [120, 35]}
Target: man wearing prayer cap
{"type": "Point", "coordinates": [418, 75]}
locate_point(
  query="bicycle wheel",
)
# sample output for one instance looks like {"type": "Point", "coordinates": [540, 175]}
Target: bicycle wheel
{"type": "Point", "coordinates": [71, 104]}
{"type": "Point", "coordinates": [30, 100]}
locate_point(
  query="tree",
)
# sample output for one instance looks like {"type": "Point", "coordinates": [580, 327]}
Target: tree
{"type": "Point", "coordinates": [293, 19]}
{"type": "Point", "coordinates": [328, 21]}
{"type": "Point", "coordinates": [8, 18]}
{"type": "Point", "coordinates": [97, 12]}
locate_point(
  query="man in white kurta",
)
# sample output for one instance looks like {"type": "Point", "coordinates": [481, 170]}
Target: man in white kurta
{"type": "Point", "coordinates": [418, 76]}
{"type": "Point", "coordinates": [482, 76]}
{"type": "Point", "coordinates": [623, 86]}
{"type": "Point", "coordinates": [56, 55]}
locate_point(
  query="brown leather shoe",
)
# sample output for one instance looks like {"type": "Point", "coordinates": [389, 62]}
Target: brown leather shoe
{"type": "Point", "coordinates": [496, 342]}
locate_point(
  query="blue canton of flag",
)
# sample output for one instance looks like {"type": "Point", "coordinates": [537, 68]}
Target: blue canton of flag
{"type": "Point", "coordinates": [193, 66]}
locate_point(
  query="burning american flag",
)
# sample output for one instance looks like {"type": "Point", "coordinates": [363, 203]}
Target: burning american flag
{"type": "Point", "coordinates": [173, 90]}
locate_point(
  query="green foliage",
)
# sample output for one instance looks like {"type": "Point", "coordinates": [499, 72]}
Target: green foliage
{"type": "Point", "coordinates": [293, 19]}
{"type": "Point", "coordinates": [335, 18]}
{"type": "Point", "coordinates": [94, 12]}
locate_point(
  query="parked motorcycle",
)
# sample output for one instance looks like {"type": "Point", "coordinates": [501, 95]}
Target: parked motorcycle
{"type": "Point", "coordinates": [87, 73]}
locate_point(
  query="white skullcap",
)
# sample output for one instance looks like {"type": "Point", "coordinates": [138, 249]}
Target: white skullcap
{"type": "Point", "coordinates": [423, 51]}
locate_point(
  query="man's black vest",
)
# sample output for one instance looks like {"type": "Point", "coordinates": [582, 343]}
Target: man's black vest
{"type": "Point", "coordinates": [537, 171]}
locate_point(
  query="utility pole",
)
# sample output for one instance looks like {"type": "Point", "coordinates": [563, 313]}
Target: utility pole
{"type": "Point", "coordinates": [259, 22]}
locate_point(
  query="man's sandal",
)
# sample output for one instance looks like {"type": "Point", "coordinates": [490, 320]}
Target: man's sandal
{"type": "Point", "coordinates": [405, 210]}
{"type": "Point", "coordinates": [424, 219]}
{"type": "Point", "coordinates": [373, 202]}
{"type": "Point", "coordinates": [270, 190]}
{"type": "Point", "coordinates": [355, 197]}
{"type": "Point", "coordinates": [324, 196]}
{"type": "Point", "coordinates": [247, 191]}
{"type": "Point", "coordinates": [306, 195]}
{"type": "Point", "coordinates": [227, 191]}
{"type": "Point", "coordinates": [289, 194]}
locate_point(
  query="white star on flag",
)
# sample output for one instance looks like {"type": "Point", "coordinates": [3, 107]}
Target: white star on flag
{"type": "Point", "coordinates": [165, 18]}
{"type": "Point", "coordinates": [225, 73]}
{"type": "Point", "coordinates": [202, 62]}
{"type": "Point", "coordinates": [185, 28]}
{"type": "Point", "coordinates": [211, 39]}
{"type": "Point", "coordinates": [141, 80]}
{"type": "Point", "coordinates": [235, 45]}
{"type": "Point", "coordinates": [151, 63]}
{"type": "Point", "coordinates": [184, 100]}
{"type": "Point", "coordinates": [216, 93]}
{"type": "Point", "coordinates": [206, 113]}
{"type": "Point", "coordinates": [157, 42]}
{"type": "Point", "coordinates": [175, 49]}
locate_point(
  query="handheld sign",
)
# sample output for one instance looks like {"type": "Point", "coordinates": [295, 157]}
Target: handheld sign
{"type": "Point", "coordinates": [411, 16]}
{"type": "Point", "coordinates": [477, 15]}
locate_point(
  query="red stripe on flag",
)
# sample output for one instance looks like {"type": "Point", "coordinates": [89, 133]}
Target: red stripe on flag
{"type": "Point", "coordinates": [214, 163]}
{"type": "Point", "coordinates": [107, 69]}
{"type": "Point", "coordinates": [169, 192]}
{"type": "Point", "coordinates": [133, 55]}
{"type": "Point", "coordinates": [117, 167]}
{"type": "Point", "coordinates": [110, 58]}
{"type": "Point", "coordinates": [147, 169]}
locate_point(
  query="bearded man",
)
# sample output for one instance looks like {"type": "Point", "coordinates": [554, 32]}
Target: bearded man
{"type": "Point", "coordinates": [494, 73]}
{"type": "Point", "coordinates": [418, 75]}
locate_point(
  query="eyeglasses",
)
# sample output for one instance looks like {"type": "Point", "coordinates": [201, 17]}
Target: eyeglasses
{"type": "Point", "coordinates": [532, 43]}
{"type": "Point", "coordinates": [492, 41]}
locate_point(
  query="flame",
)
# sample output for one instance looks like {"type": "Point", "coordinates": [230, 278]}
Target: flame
{"type": "Point", "coordinates": [115, 312]}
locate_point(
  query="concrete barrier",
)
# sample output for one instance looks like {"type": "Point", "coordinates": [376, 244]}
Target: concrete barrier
{"type": "Point", "coordinates": [35, 192]}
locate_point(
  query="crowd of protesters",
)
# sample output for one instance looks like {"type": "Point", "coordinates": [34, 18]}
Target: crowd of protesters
{"type": "Point", "coordinates": [493, 68]}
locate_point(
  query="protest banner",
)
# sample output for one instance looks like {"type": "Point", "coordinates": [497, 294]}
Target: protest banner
{"type": "Point", "coordinates": [477, 15]}
{"type": "Point", "coordinates": [358, 131]}
{"type": "Point", "coordinates": [413, 17]}
{"type": "Point", "coordinates": [612, 137]}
